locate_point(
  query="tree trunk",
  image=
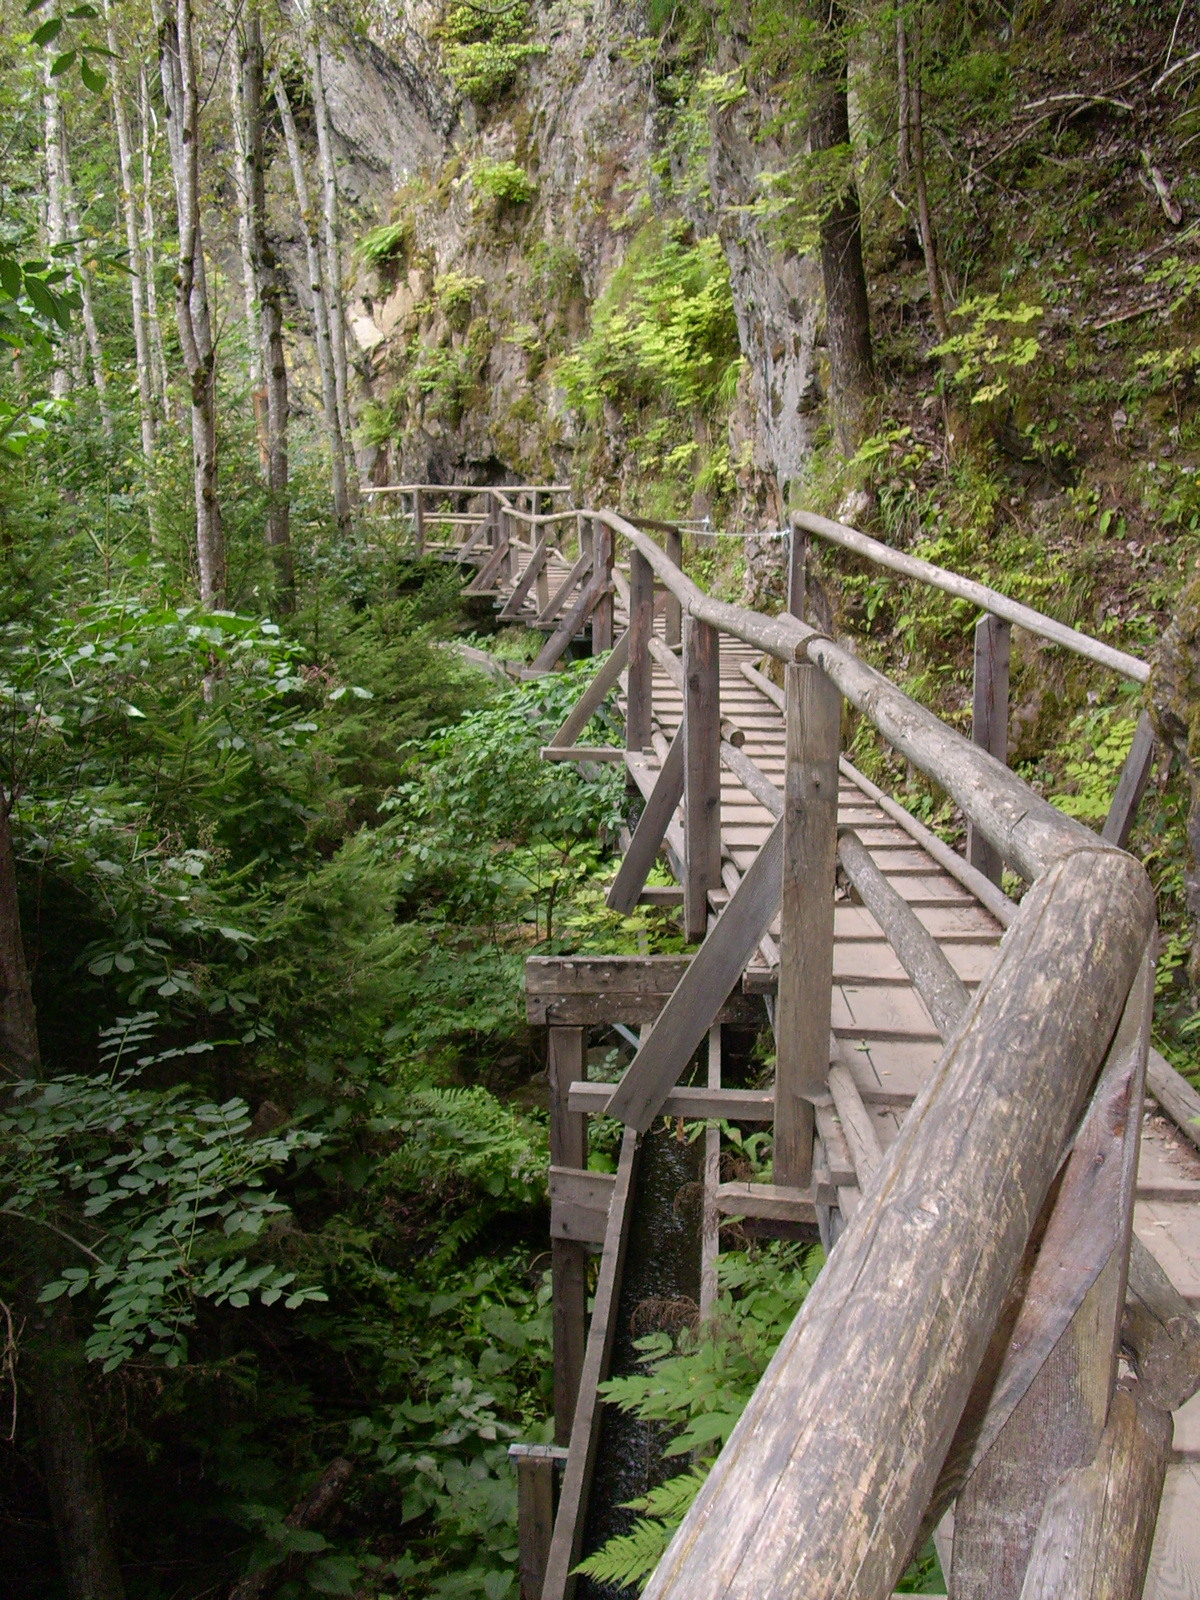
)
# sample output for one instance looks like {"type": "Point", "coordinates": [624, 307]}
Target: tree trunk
{"type": "Point", "coordinates": [847, 314]}
{"type": "Point", "coordinates": [141, 343]}
{"type": "Point", "coordinates": [158, 360]}
{"type": "Point", "coordinates": [332, 239]}
{"type": "Point", "coordinates": [56, 223]}
{"type": "Point", "coordinates": [266, 274]}
{"type": "Point", "coordinates": [90, 329]}
{"type": "Point", "coordinates": [928, 242]}
{"type": "Point", "coordinates": [333, 431]}
{"type": "Point", "coordinates": [241, 184]}
{"type": "Point", "coordinates": [902, 150]}
{"type": "Point", "coordinates": [177, 58]}
{"type": "Point", "coordinates": [53, 1359]}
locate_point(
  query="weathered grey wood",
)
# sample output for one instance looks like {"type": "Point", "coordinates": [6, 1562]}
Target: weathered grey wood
{"type": "Point", "coordinates": [674, 616]}
{"type": "Point", "coordinates": [764, 685]}
{"type": "Point", "coordinates": [984, 890]}
{"type": "Point", "coordinates": [934, 979]}
{"type": "Point", "coordinates": [701, 773]}
{"type": "Point", "coordinates": [857, 1127]}
{"type": "Point", "coordinates": [639, 692]}
{"type": "Point", "coordinates": [989, 721]}
{"type": "Point", "coordinates": [1098, 1526]}
{"type": "Point", "coordinates": [566, 1063]}
{"type": "Point", "coordinates": [579, 1203]}
{"type": "Point", "coordinates": [814, 717]}
{"type": "Point", "coordinates": [535, 1519]}
{"type": "Point", "coordinates": [774, 1202]}
{"type": "Point", "coordinates": [582, 752]}
{"type": "Point", "coordinates": [1175, 1095]}
{"type": "Point", "coordinates": [752, 778]}
{"type": "Point", "coordinates": [1160, 1332]}
{"type": "Point", "coordinates": [864, 1394]}
{"type": "Point", "coordinates": [710, 1222]}
{"type": "Point", "coordinates": [418, 505]}
{"type": "Point", "coordinates": [533, 569]}
{"type": "Point", "coordinates": [977, 593]}
{"type": "Point", "coordinates": [610, 989]}
{"type": "Point", "coordinates": [558, 641]}
{"type": "Point", "coordinates": [567, 1543]}
{"type": "Point", "coordinates": [1047, 1405]}
{"type": "Point", "coordinates": [697, 1001]}
{"type": "Point", "coordinates": [602, 563]}
{"type": "Point", "coordinates": [474, 538]}
{"type": "Point", "coordinates": [693, 1104]}
{"type": "Point", "coordinates": [661, 894]}
{"type": "Point", "coordinates": [668, 661]}
{"type": "Point", "coordinates": [558, 599]}
{"type": "Point", "coordinates": [797, 570]}
{"type": "Point", "coordinates": [594, 696]}
{"type": "Point", "coordinates": [648, 835]}
{"type": "Point", "coordinates": [1131, 785]}
{"type": "Point", "coordinates": [839, 1162]}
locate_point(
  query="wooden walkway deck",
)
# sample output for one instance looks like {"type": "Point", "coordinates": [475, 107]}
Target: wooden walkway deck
{"type": "Point", "coordinates": [883, 1031]}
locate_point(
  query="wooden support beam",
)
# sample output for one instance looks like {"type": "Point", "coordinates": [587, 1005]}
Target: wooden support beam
{"type": "Point", "coordinates": [693, 1104]}
{"type": "Point", "coordinates": [696, 1003]}
{"type": "Point", "coordinates": [1160, 1331]}
{"type": "Point", "coordinates": [582, 752]}
{"type": "Point", "coordinates": [1175, 1095]}
{"type": "Point", "coordinates": [668, 661]}
{"type": "Point", "coordinates": [565, 991]}
{"type": "Point", "coordinates": [570, 626]}
{"type": "Point", "coordinates": [774, 1202]}
{"type": "Point", "coordinates": [661, 894]}
{"type": "Point", "coordinates": [701, 773]}
{"type": "Point", "coordinates": [814, 717]}
{"type": "Point", "coordinates": [473, 538]}
{"type": "Point", "coordinates": [857, 1127]}
{"type": "Point", "coordinates": [648, 835]}
{"type": "Point", "coordinates": [487, 575]}
{"type": "Point", "coordinates": [674, 552]}
{"type": "Point", "coordinates": [534, 567]}
{"type": "Point", "coordinates": [710, 1222]}
{"type": "Point", "coordinates": [579, 1203]}
{"type": "Point", "coordinates": [566, 1546]}
{"type": "Point", "coordinates": [602, 562]}
{"type": "Point", "coordinates": [594, 696]}
{"type": "Point", "coordinates": [864, 1394]}
{"type": "Point", "coordinates": [558, 599]}
{"type": "Point", "coordinates": [639, 693]}
{"type": "Point", "coordinates": [1131, 785]}
{"type": "Point", "coordinates": [918, 951]}
{"type": "Point", "coordinates": [797, 571]}
{"type": "Point", "coordinates": [418, 505]}
{"type": "Point", "coordinates": [1094, 1539]}
{"type": "Point", "coordinates": [536, 1465]}
{"type": "Point", "coordinates": [989, 721]}
{"type": "Point", "coordinates": [566, 1063]}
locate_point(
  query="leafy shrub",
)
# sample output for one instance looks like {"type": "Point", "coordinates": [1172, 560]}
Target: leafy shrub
{"type": "Point", "coordinates": [385, 243]}
{"type": "Point", "coordinates": [503, 182]}
{"type": "Point", "coordinates": [483, 50]}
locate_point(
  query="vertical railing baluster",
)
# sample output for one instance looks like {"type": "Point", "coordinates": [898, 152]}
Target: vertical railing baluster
{"type": "Point", "coordinates": [797, 571]}
{"type": "Point", "coordinates": [702, 772]}
{"type": "Point", "coordinates": [803, 1005]}
{"type": "Point", "coordinates": [418, 522]}
{"type": "Point", "coordinates": [566, 1063]}
{"type": "Point", "coordinates": [602, 565]}
{"type": "Point", "coordinates": [673, 616]}
{"type": "Point", "coordinates": [639, 693]}
{"type": "Point", "coordinates": [989, 720]}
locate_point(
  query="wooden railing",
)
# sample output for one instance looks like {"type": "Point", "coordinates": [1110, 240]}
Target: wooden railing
{"type": "Point", "coordinates": [961, 1341]}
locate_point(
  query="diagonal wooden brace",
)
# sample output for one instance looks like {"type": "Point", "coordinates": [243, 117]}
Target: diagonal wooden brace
{"type": "Point", "coordinates": [537, 561]}
{"type": "Point", "coordinates": [566, 631]}
{"type": "Point", "coordinates": [649, 833]}
{"type": "Point", "coordinates": [558, 598]}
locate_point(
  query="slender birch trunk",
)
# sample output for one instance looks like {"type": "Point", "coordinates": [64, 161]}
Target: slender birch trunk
{"type": "Point", "coordinates": [133, 245]}
{"type": "Point", "coordinates": [91, 331]}
{"type": "Point", "coordinates": [250, 285]}
{"type": "Point", "coordinates": [917, 136]}
{"type": "Point", "coordinates": [177, 58]}
{"type": "Point", "coordinates": [266, 275]}
{"type": "Point", "coordinates": [333, 431]}
{"type": "Point", "coordinates": [158, 360]}
{"type": "Point", "coordinates": [332, 240]}
{"type": "Point", "coordinates": [56, 223]}
{"type": "Point", "coordinates": [902, 147]}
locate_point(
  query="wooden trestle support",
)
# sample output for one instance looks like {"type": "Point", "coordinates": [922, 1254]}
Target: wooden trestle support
{"type": "Point", "coordinates": [990, 1351]}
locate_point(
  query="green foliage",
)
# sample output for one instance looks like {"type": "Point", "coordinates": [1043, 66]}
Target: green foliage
{"type": "Point", "coordinates": [981, 359]}
{"type": "Point", "coordinates": [503, 182]}
{"type": "Point", "coordinates": [1093, 754]}
{"type": "Point", "coordinates": [385, 242]}
{"type": "Point", "coordinates": [483, 49]}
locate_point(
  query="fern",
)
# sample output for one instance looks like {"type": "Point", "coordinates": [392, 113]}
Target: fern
{"type": "Point", "coordinates": [630, 1558]}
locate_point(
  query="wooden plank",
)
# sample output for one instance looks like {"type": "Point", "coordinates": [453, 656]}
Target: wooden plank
{"type": "Point", "coordinates": [566, 1546]}
{"type": "Point", "coordinates": [857, 1125]}
{"type": "Point", "coordinates": [797, 570]}
{"type": "Point", "coordinates": [863, 1396]}
{"type": "Point", "coordinates": [602, 563]}
{"type": "Point", "coordinates": [472, 539]}
{"type": "Point", "coordinates": [774, 1202]}
{"type": "Point", "coordinates": [701, 773]}
{"type": "Point", "coordinates": [661, 894]}
{"type": "Point", "coordinates": [695, 1004]}
{"type": "Point", "coordinates": [814, 714]}
{"type": "Point", "coordinates": [558, 599]}
{"type": "Point", "coordinates": [594, 696]}
{"type": "Point", "coordinates": [535, 1518]}
{"type": "Point", "coordinates": [569, 627]}
{"type": "Point", "coordinates": [934, 978]}
{"type": "Point", "coordinates": [639, 691]}
{"type": "Point", "coordinates": [579, 1203]}
{"type": "Point", "coordinates": [1175, 1095]}
{"type": "Point", "coordinates": [418, 514]}
{"type": "Point", "coordinates": [582, 752]}
{"type": "Point", "coordinates": [566, 1064]}
{"type": "Point", "coordinates": [693, 1104]}
{"type": "Point", "coordinates": [533, 569]}
{"type": "Point", "coordinates": [1131, 785]}
{"type": "Point", "coordinates": [839, 1162]}
{"type": "Point", "coordinates": [672, 666]}
{"type": "Point", "coordinates": [1161, 1332]}
{"type": "Point", "coordinates": [576, 990]}
{"type": "Point", "coordinates": [674, 553]}
{"type": "Point", "coordinates": [648, 835]}
{"type": "Point", "coordinates": [1097, 1529]}
{"type": "Point", "coordinates": [710, 1228]}
{"type": "Point", "coordinates": [989, 721]}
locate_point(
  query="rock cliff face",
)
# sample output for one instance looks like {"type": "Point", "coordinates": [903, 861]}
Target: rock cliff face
{"type": "Point", "coordinates": [458, 330]}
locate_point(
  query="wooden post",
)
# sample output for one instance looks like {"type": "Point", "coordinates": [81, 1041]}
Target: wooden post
{"type": "Point", "coordinates": [602, 616]}
{"type": "Point", "coordinates": [710, 1236]}
{"type": "Point", "coordinates": [797, 571]}
{"type": "Point", "coordinates": [989, 720]}
{"type": "Point", "coordinates": [639, 696]}
{"type": "Point", "coordinates": [814, 718]}
{"type": "Point", "coordinates": [585, 535]}
{"type": "Point", "coordinates": [418, 523]}
{"type": "Point", "coordinates": [701, 773]}
{"type": "Point", "coordinates": [536, 1464]}
{"type": "Point", "coordinates": [567, 1064]}
{"type": "Point", "coordinates": [1135, 775]}
{"type": "Point", "coordinates": [674, 613]}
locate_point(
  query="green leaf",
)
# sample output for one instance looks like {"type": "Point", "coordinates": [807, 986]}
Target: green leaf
{"type": "Point", "coordinates": [48, 32]}
{"type": "Point", "coordinates": [93, 80]}
{"type": "Point", "coordinates": [62, 63]}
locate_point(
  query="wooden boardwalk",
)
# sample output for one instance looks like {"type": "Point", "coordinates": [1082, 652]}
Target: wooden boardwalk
{"type": "Point", "coordinates": [884, 1039]}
